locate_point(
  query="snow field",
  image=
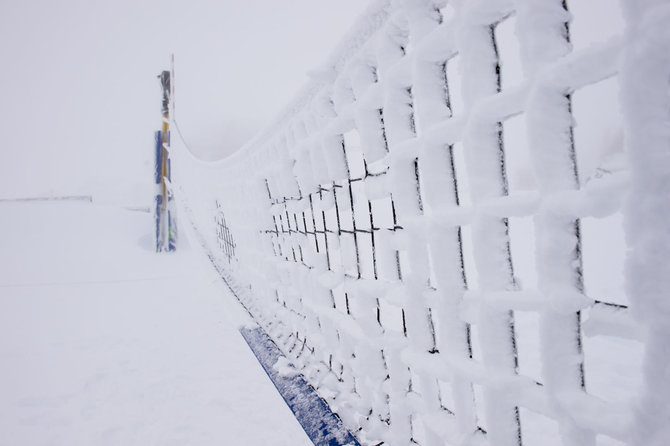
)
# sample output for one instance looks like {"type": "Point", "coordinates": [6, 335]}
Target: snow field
{"type": "Point", "coordinates": [436, 232]}
{"type": "Point", "coordinates": [103, 341]}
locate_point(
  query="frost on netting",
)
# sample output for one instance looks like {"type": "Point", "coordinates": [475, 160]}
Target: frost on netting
{"type": "Point", "coordinates": [433, 231]}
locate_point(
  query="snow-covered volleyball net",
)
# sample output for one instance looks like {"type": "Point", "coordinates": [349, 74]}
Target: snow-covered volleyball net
{"type": "Point", "coordinates": [433, 232]}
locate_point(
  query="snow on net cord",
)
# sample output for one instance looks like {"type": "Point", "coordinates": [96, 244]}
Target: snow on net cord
{"type": "Point", "coordinates": [371, 229]}
{"type": "Point", "coordinates": [645, 76]}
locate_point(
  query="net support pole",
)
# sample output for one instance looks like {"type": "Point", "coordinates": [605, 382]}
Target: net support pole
{"type": "Point", "coordinates": [166, 228]}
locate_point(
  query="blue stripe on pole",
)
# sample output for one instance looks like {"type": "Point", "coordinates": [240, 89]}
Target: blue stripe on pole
{"type": "Point", "coordinates": [157, 218]}
{"type": "Point", "coordinates": [172, 230]}
{"type": "Point", "coordinates": [158, 157]}
{"type": "Point", "coordinates": [322, 426]}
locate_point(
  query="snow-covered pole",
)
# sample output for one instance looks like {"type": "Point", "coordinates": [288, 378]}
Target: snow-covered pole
{"type": "Point", "coordinates": [645, 98]}
{"type": "Point", "coordinates": [436, 180]}
{"type": "Point", "coordinates": [486, 170]}
{"type": "Point", "coordinates": [544, 31]}
{"type": "Point", "coordinates": [166, 233]}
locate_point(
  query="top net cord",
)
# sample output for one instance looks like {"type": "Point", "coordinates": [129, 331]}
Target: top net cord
{"type": "Point", "coordinates": [381, 235]}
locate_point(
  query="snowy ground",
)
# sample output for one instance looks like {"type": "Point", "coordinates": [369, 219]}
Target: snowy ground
{"type": "Point", "coordinates": [104, 342]}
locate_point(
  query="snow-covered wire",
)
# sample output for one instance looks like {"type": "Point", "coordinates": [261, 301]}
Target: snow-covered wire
{"type": "Point", "coordinates": [374, 232]}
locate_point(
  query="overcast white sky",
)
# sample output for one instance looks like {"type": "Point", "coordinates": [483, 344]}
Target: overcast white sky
{"type": "Point", "coordinates": [79, 98]}
{"type": "Point", "coordinates": [79, 94]}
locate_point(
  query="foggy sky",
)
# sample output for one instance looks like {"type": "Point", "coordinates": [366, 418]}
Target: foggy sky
{"type": "Point", "coordinates": [79, 98]}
